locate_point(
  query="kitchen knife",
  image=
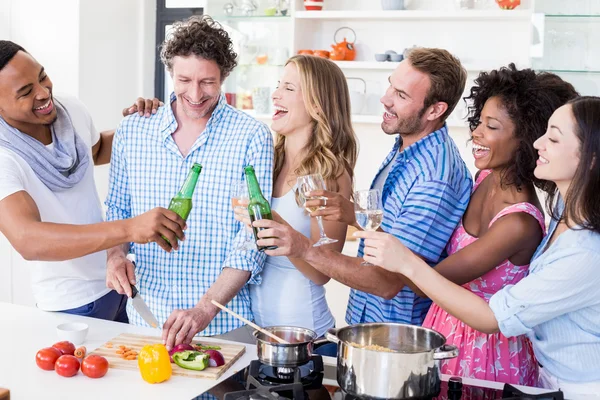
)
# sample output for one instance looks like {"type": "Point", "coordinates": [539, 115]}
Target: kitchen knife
{"type": "Point", "coordinates": [142, 309]}
{"type": "Point", "coordinates": [138, 302]}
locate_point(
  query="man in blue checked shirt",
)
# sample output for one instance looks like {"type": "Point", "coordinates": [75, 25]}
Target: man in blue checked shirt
{"type": "Point", "coordinates": [425, 188]}
{"type": "Point", "coordinates": [151, 158]}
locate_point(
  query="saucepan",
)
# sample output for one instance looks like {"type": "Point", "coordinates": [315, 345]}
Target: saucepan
{"type": "Point", "coordinates": [389, 361]}
{"type": "Point", "coordinates": [298, 352]}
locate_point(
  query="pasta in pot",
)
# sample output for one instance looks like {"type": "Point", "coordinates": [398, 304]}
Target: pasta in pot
{"type": "Point", "coordinates": [374, 347]}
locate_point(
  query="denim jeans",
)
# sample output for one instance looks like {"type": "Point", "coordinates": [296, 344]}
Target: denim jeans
{"type": "Point", "coordinates": [111, 306]}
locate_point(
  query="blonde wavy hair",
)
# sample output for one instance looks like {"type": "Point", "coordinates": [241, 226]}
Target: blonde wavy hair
{"type": "Point", "coordinates": [332, 148]}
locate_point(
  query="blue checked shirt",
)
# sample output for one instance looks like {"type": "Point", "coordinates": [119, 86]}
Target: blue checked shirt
{"type": "Point", "coordinates": [424, 197]}
{"type": "Point", "coordinates": [147, 170]}
{"type": "Point", "coordinates": [558, 305]}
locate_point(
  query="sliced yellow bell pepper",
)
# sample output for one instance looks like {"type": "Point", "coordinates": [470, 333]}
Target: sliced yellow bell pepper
{"type": "Point", "coordinates": [154, 363]}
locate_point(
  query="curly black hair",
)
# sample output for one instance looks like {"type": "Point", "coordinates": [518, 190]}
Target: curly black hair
{"type": "Point", "coordinates": [202, 36]}
{"type": "Point", "coordinates": [529, 98]}
{"type": "Point", "coordinates": [8, 50]}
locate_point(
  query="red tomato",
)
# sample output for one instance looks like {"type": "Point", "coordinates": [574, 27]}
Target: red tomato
{"type": "Point", "coordinates": [94, 366]}
{"type": "Point", "coordinates": [45, 358]}
{"type": "Point", "coordinates": [65, 347]}
{"type": "Point", "coordinates": [67, 366]}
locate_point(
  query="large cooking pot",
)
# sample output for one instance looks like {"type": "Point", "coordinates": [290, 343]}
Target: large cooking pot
{"type": "Point", "coordinates": [298, 352]}
{"type": "Point", "coordinates": [411, 370]}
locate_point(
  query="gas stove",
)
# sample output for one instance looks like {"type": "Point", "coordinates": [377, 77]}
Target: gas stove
{"type": "Point", "coordinates": [316, 380]}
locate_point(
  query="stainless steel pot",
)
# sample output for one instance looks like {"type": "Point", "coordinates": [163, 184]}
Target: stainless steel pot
{"type": "Point", "coordinates": [412, 370]}
{"type": "Point", "coordinates": [276, 354]}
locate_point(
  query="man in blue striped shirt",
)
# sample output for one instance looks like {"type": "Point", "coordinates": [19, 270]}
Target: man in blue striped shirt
{"type": "Point", "coordinates": [425, 187]}
{"type": "Point", "coordinates": [152, 157]}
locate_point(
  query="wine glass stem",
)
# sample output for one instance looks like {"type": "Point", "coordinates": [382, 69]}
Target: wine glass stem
{"type": "Point", "coordinates": [321, 229]}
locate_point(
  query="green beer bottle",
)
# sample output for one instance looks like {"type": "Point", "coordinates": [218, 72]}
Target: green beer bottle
{"type": "Point", "coordinates": [181, 204]}
{"type": "Point", "coordinates": [258, 206]}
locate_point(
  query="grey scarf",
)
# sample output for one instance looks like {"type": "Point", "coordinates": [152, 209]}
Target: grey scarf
{"type": "Point", "coordinates": [60, 168]}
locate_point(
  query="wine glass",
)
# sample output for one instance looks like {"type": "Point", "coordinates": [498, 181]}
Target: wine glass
{"type": "Point", "coordinates": [239, 192]}
{"type": "Point", "coordinates": [306, 184]}
{"type": "Point", "coordinates": [368, 210]}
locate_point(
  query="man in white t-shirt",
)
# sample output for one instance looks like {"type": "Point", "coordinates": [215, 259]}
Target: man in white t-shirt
{"type": "Point", "coordinates": [49, 207]}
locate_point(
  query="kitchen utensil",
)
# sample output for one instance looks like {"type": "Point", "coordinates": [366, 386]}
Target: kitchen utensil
{"type": "Point", "coordinates": [297, 351]}
{"type": "Point", "coordinates": [381, 57]}
{"type": "Point", "coordinates": [357, 98]}
{"type": "Point", "coordinates": [140, 306]}
{"type": "Point", "coordinates": [313, 5]}
{"type": "Point", "coordinates": [252, 324]}
{"type": "Point", "coordinates": [345, 47]}
{"type": "Point", "coordinates": [138, 302]}
{"type": "Point", "coordinates": [412, 370]}
{"type": "Point", "coordinates": [321, 53]}
{"type": "Point", "coordinates": [392, 4]}
{"type": "Point", "coordinates": [231, 353]}
{"type": "Point", "coordinates": [74, 332]}
{"type": "Point", "coordinates": [508, 4]}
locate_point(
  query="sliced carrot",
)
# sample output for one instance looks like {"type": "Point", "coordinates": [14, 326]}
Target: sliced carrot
{"type": "Point", "coordinates": [109, 345]}
{"type": "Point", "coordinates": [132, 357]}
{"type": "Point", "coordinates": [80, 352]}
{"type": "Point", "coordinates": [120, 352]}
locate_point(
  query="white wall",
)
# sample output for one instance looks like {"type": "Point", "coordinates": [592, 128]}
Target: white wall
{"type": "Point", "coordinates": [101, 52]}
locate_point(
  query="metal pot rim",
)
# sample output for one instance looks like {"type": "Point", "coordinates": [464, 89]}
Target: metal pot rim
{"type": "Point", "coordinates": [310, 332]}
{"type": "Point", "coordinates": [335, 332]}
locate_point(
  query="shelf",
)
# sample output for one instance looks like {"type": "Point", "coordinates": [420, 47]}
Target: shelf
{"type": "Point", "coordinates": [416, 14]}
{"type": "Point", "coordinates": [569, 71]}
{"type": "Point", "coordinates": [257, 18]}
{"type": "Point", "coordinates": [389, 66]}
{"type": "Point", "coordinates": [572, 15]}
{"type": "Point", "coordinates": [260, 65]}
{"type": "Point", "coordinates": [360, 119]}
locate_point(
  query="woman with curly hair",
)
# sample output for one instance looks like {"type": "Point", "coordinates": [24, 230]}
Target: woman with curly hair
{"type": "Point", "coordinates": [314, 134]}
{"type": "Point", "coordinates": [503, 225]}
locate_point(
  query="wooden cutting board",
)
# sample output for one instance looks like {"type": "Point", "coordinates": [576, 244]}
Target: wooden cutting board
{"type": "Point", "coordinates": [231, 353]}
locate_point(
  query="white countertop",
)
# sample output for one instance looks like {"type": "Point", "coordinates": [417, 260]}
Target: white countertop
{"type": "Point", "coordinates": [25, 330]}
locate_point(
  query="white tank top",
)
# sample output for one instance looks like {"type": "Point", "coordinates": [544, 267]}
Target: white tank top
{"type": "Point", "coordinates": [286, 296]}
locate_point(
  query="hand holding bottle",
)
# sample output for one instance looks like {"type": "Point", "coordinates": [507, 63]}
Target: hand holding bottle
{"type": "Point", "coordinates": [155, 224]}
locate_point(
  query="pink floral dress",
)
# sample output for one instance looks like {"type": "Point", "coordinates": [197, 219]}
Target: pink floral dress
{"type": "Point", "coordinates": [482, 356]}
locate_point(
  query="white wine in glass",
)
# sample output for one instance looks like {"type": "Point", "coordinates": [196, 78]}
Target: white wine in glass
{"type": "Point", "coordinates": [239, 192]}
{"type": "Point", "coordinates": [368, 211]}
{"type": "Point", "coordinates": [307, 184]}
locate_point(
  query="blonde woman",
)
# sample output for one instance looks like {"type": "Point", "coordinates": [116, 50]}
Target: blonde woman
{"type": "Point", "coordinates": [313, 135]}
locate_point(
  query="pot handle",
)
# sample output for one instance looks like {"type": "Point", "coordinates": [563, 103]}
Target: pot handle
{"type": "Point", "coordinates": [445, 352]}
{"type": "Point", "coordinates": [331, 336]}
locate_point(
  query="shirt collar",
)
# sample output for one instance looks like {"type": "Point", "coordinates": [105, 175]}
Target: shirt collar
{"type": "Point", "coordinates": [168, 124]}
{"type": "Point", "coordinates": [434, 138]}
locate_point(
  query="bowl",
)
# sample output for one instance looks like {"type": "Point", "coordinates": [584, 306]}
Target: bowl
{"type": "Point", "coordinates": [390, 52]}
{"type": "Point", "coordinates": [381, 57]}
{"type": "Point", "coordinates": [74, 332]}
{"type": "Point", "coordinates": [396, 57]}
{"type": "Point", "coordinates": [392, 4]}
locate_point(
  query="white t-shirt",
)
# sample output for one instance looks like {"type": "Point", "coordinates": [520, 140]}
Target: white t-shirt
{"type": "Point", "coordinates": [62, 285]}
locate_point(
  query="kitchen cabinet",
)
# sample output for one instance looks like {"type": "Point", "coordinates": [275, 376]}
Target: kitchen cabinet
{"type": "Point", "coordinates": [566, 41]}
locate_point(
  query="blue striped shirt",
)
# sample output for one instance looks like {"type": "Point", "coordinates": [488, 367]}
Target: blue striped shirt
{"type": "Point", "coordinates": [147, 169]}
{"type": "Point", "coordinates": [424, 197]}
{"type": "Point", "coordinates": [558, 305]}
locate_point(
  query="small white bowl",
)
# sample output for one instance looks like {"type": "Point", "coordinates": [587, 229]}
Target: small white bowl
{"type": "Point", "coordinates": [74, 332]}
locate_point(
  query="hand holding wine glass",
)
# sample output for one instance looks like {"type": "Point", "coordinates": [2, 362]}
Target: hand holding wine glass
{"type": "Point", "coordinates": [305, 185]}
{"type": "Point", "coordinates": [368, 210]}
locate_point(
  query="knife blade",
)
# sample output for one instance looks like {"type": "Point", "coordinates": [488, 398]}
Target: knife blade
{"type": "Point", "coordinates": [140, 306]}
{"type": "Point", "coordinates": [138, 302]}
